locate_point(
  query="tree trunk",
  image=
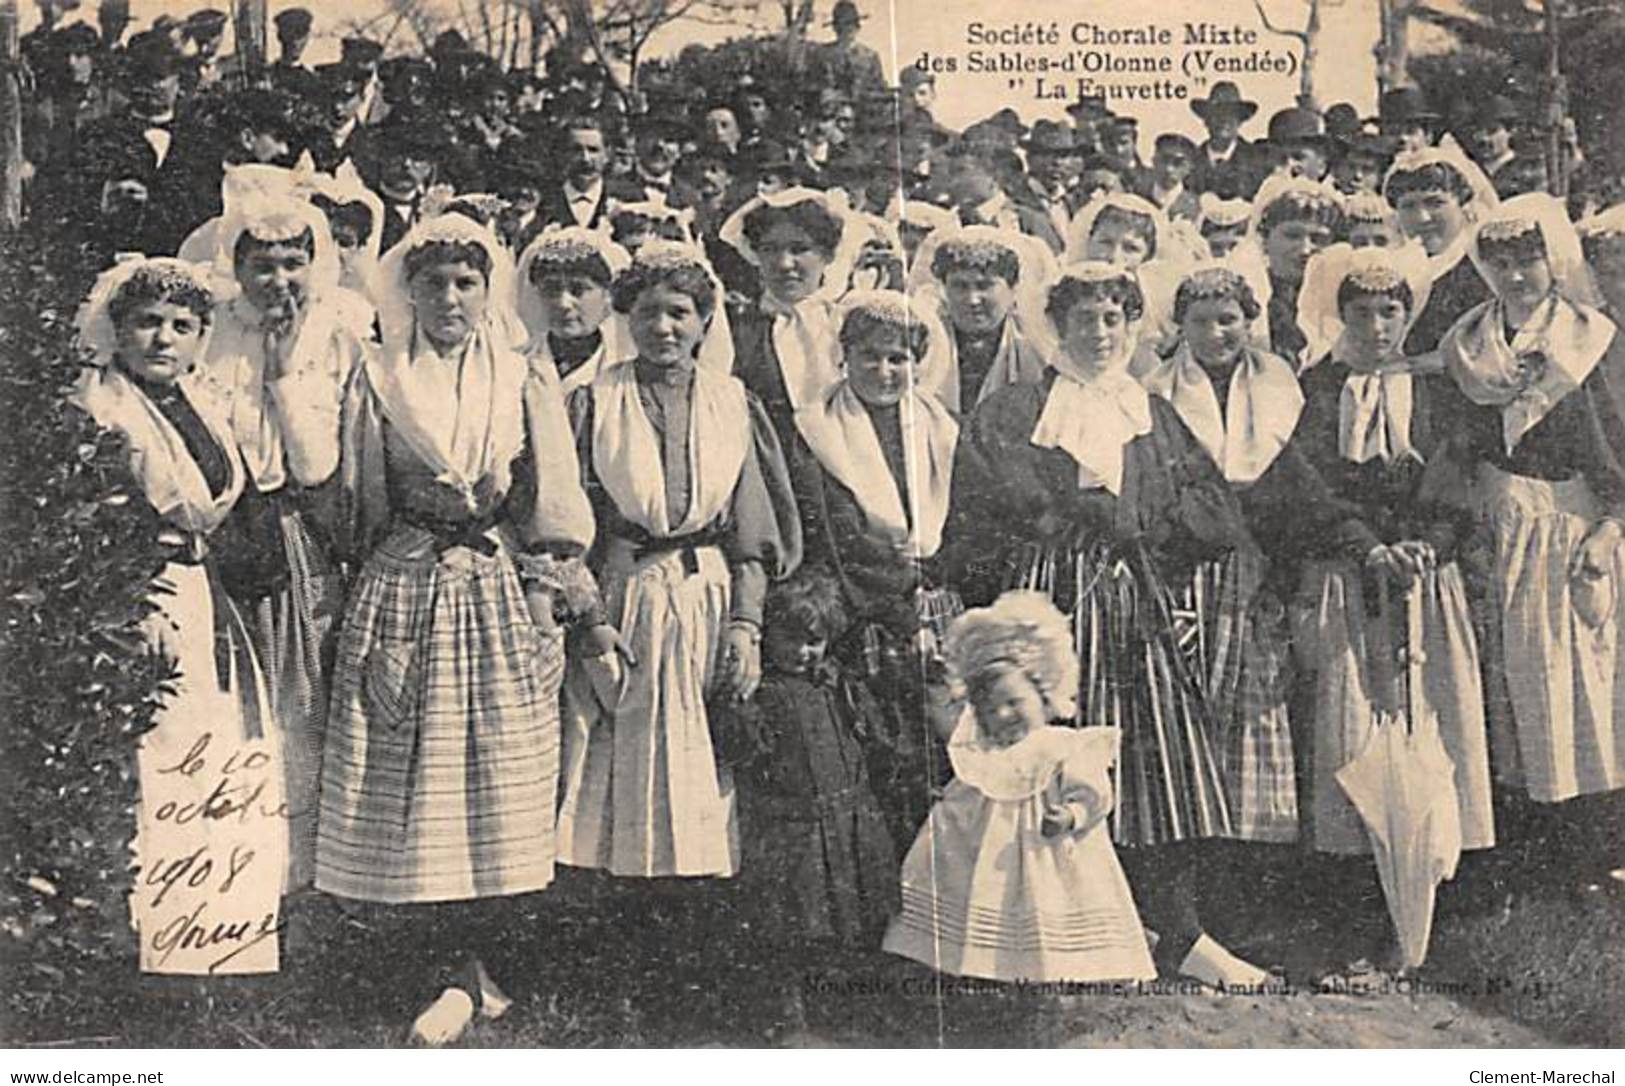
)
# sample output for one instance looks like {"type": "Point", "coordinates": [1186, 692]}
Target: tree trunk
{"type": "Point", "coordinates": [1393, 46]}
{"type": "Point", "coordinates": [1311, 57]}
{"type": "Point", "coordinates": [11, 120]}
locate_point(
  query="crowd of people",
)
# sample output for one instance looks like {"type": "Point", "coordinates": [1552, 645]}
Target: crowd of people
{"type": "Point", "coordinates": [955, 543]}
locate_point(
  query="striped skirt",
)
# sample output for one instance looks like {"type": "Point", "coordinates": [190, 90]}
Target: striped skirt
{"type": "Point", "coordinates": [440, 770]}
{"type": "Point", "coordinates": [1241, 640]}
{"type": "Point", "coordinates": [1140, 673]}
{"type": "Point", "coordinates": [292, 629]}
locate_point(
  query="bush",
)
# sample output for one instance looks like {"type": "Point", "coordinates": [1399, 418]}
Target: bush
{"type": "Point", "coordinates": [78, 553]}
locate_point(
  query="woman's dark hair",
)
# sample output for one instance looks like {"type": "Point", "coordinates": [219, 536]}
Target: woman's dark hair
{"type": "Point", "coordinates": [352, 213]}
{"type": "Point", "coordinates": [1137, 221]}
{"type": "Point", "coordinates": [1527, 244]}
{"type": "Point", "coordinates": [150, 285]}
{"type": "Point", "coordinates": [861, 324]}
{"type": "Point", "coordinates": [1352, 287]}
{"type": "Point", "coordinates": [1296, 207]}
{"type": "Point", "coordinates": [586, 264]}
{"type": "Point", "coordinates": [995, 259]}
{"type": "Point", "coordinates": [429, 253]}
{"type": "Point", "coordinates": [624, 224]}
{"type": "Point", "coordinates": [1070, 290]}
{"type": "Point", "coordinates": [1215, 284]}
{"type": "Point", "coordinates": [1434, 176]}
{"type": "Point", "coordinates": [247, 243]}
{"type": "Point", "coordinates": [809, 215]}
{"type": "Point", "coordinates": [809, 601]}
{"type": "Point", "coordinates": [689, 279]}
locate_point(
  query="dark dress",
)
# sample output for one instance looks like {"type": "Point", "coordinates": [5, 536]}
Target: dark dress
{"type": "Point", "coordinates": [889, 597]}
{"type": "Point", "coordinates": [1453, 294]}
{"type": "Point", "coordinates": [818, 862]}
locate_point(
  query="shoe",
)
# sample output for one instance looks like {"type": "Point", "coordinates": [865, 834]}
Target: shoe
{"type": "Point", "coordinates": [493, 1001]}
{"type": "Point", "coordinates": [444, 1020]}
{"type": "Point", "coordinates": [1213, 965]}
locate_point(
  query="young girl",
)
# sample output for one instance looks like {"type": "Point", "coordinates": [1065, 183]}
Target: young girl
{"type": "Point", "coordinates": [1374, 427]}
{"type": "Point", "coordinates": [564, 301]}
{"type": "Point", "coordinates": [819, 871]}
{"type": "Point", "coordinates": [1014, 876]}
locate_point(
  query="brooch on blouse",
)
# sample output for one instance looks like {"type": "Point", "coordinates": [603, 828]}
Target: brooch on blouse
{"type": "Point", "coordinates": [1529, 368]}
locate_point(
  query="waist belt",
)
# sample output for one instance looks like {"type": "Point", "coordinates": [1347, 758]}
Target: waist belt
{"type": "Point", "coordinates": [448, 534]}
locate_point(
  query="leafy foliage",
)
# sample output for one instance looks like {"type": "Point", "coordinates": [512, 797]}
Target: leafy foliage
{"type": "Point", "coordinates": [78, 553]}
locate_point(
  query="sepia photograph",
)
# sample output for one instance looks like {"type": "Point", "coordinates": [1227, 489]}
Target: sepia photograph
{"type": "Point", "coordinates": [812, 524]}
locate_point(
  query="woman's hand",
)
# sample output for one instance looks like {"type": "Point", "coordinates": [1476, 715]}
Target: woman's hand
{"type": "Point", "coordinates": [1401, 562]}
{"type": "Point", "coordinates": [602, 639]}
{"type": "Point", "coordinates": [1595, 555]}
{"type": "Point", "coordinates": [742, 660]}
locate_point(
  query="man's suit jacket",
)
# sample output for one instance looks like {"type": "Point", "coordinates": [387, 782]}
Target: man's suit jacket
{"type": "Point", "coordinates": [1237, 176]}
{"type": "Point", "coordinates": [554, 208]}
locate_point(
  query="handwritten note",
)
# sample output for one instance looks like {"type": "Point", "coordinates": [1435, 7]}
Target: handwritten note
{"type": "Point", "coordinates": [212, 846]}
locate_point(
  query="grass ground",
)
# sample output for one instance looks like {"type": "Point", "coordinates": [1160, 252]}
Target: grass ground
{"type": "Point", "coordinates": [596, 969]}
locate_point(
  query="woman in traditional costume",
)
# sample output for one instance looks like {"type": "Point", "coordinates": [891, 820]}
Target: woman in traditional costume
{"type": "Point", "coordinates": [146, 322]}
{"type": "Point", "coordinates": [279, 360]}
{"type": "Point", "coordinates": [1089, 489]}
{"type": "Point", "coordinates": [873, 467]}
{"type": "Point", "coordinates": [805, 245]}
{"type": "Point", "coordinates": [695, 515]}
{"type": "Point", "coordinates": [466, 514]}
{"type": "Point", "coordinates": [1541, 427]}
{"type": "Point", "coordinates": [564, 300]}
{"type": "Point", "coordinates": [1375, 427]}
{"type": "Point", "coordinates": [989, 286]}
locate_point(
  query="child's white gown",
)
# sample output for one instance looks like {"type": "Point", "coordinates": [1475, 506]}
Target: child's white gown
{"type": "Point", "coordinates": [986, 894]}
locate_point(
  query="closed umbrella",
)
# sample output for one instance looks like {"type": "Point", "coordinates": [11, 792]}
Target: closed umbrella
{"type": "Point", "coordinates": [1402, 783]}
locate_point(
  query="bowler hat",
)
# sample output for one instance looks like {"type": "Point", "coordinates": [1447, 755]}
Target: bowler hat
{"type": "Point", "coordinates": [1224, 98]}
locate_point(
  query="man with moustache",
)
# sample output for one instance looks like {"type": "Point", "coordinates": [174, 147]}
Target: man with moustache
{"type": "Point", "coordinates": [582, 152]}
{"type": "Point", "coordinates": [1226, 164]}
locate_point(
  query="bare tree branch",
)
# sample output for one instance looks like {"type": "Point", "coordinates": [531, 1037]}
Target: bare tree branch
{"type": "Point", "coordinates": [1269, 24]}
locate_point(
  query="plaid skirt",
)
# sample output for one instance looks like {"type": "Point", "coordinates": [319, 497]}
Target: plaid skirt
{"type": "Point", "coordinates": [292, 629]}
{"type": "Point", "coordinates": [440, 770]}
{"type": "Point", "coordinates": [1139, 674]}
{"type": "Point", "coordinates": [1241, 641]}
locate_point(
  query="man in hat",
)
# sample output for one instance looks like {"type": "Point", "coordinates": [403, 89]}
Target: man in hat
{"type": "Point", "coordinates": [69, 96]}
{"type": "Point", "coordinates": [289, 72]}
{"type": "Point", "coordinates": [919, 93]}
{"type": "Point", "coordinates": [1089, 113]}
{"type": "Point", "coordinates": [1120, 145]}
{"type": "Point", "coordinates": [845, 61]}
{"type": "Point", "coordinates": [341, 92]}
{"type": "Point", "coordinates": [138, 136]}
{"type": "Point", "coordinates": [1173, 157]}
{"type": "Point", "coordinates": [1526, 170]}
{"type": "Point", "coordinates": [1226, 163]}
{"type": "Point", "coordinates": [920, 155]}
{"type": "Point", "coordinates": [1403, 115]}
{"type": "Point", "coordinates": [1053, 163]}
{"type": "Point", "coordinates": [1488, 135]}
{"type": "Point", "coordinates": [977, 196]}
{"type": "Point", "coordinates": [517, 172]}
{"type": "Point", "coordinates": [1359, 161]}
{"type": "Point", "coordinates": [404, 83]}
{"type": "Point", "coordinates": [205, 30]}
{"type": "Point", "coordinates": [403, 157]}
{"type": "Point", "coordinates": [1297, 144]}
{"type": "Point", "coordinates": [658, 138]}
{"type": "Point", "coordinates": [362, 55]}
{"type": "Point", "coordinates": [581, 152]}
